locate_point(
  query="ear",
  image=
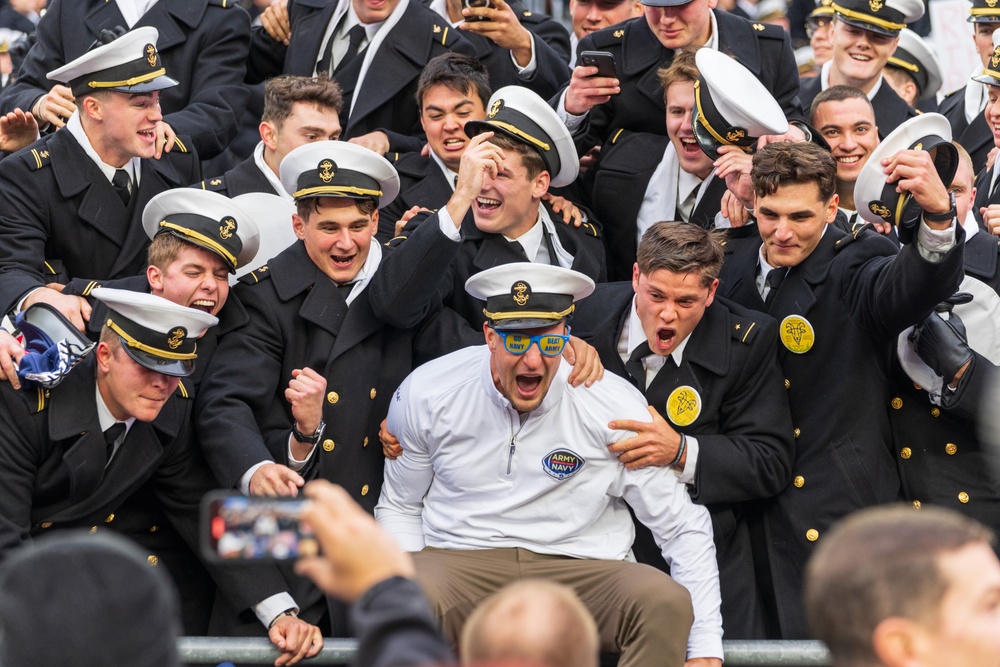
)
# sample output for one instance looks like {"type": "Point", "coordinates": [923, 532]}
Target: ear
{"type": "Point", "coordinates": [299, 226]}
{"type": "Point", "coordinates": [540, 185]}
{"type": "Point", "coordinates": [103, 356]}
{"type": "Point", "coordinates": [711, 292]}
{"type": "Point", "coordinates": [92, 107]}
{"type": "Point", "coordinates": [898, 642]}
{"type": "Point", "coordinates": [831, 208]}
{"type": "Point", "coordinates": [374, 225]}
{"type": "Point", "coordinates": [491, 335]}
{"type": "Point", "coordinates": [154, 276]}
{"type": "Point", "coordinates": [635, 277]}
{"type": "Point", "coordinates": [268, 134]}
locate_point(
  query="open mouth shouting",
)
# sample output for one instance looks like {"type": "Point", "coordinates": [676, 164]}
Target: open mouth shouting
{"type": "Point", "coordinates": [343, 261]}
{"type": "Point", "coordinates": [528, 385]}
{"type": "Point", "coordinates": [665, 337]}
{"type": "Point", "coordinates": [205, 305]}
{"type": "Point", "coordinates": [454, 144]}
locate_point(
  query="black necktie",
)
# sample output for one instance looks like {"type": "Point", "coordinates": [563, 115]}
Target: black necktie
{"type": "Point", "coordinates": [120, 182]}
{"type": "Point", "coordinates": [355, 36]}
{"type": "Point", "coordinates": [774, 278]}
{"type": "Point", "coordinates": [635, 367]}
{"type": "Point", "coordinates": [345, 290]}
{"type": "Point", "coordinates": [111, 437]}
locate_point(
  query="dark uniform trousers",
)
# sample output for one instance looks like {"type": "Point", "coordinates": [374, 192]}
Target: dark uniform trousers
{"type": "Point", "coordinates": [480, 250]}
{"type": "Point", "coordinates": [940, 455]}
{"type": "Point", "coordinates": [890, 109]}
{"type": "Point", "coordinates": [297, 318]}
{"type": "Point", "coordinates": [619, 182]}
{"type": "Point", "coordinates": [386, 101]}
{"type": "Point", "coordinates": [975, 137]}
{"type": "Point", "coordinates": [60, 217]}
{"type": "Point", "coordinates": [53, 476]}
{"type": "Point", "coordinates": [850, 297]}
{"type": "Point", "coordinates": [744, 431]}
{"type": "Point", "coordinates": [763, 49]}
{"type": "Point", "coordinates": [203, 45]}
{"type": "Point", "coordinates": [244, 178]}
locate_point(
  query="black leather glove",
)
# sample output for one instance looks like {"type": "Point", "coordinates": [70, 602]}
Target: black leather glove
{"type": "Point", "coordinates": [943, 344]}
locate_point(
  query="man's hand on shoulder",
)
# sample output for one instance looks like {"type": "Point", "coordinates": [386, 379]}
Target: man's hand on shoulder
{"type": "Point", "coordinates": [74, 308]}
{"type": "Point", "coordinates": [586, 362]}
{"type": "Point", "coordinates": [656, 443]}
{"type": "Point", "coordinates": [55, 107]}
{"type": "Point", "coordinates": [274, 19]}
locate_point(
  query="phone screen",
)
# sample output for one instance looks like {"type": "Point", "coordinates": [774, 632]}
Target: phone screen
{"type": "Point", "coordinates": [242, 528]}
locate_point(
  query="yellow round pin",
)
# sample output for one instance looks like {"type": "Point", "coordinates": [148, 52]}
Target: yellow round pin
{"type": "Point", "coordinates": [684, 405]}
{"type": "Point", "coordinates": [797, 334]}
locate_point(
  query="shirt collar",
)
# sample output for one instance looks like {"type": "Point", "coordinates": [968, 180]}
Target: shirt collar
{"type": "Point", "coordinates": [272, 178]}
{"type": "Point", "coordinates": [132, 10]}
{"type": "Point", "coordinates": [449, 175]}
{"type": "Point", "coordinates": [75, 128]}
{"type": "Point", "coordinates": [531, 239]}
{"type": "Point", "coordinates": [104, 416]}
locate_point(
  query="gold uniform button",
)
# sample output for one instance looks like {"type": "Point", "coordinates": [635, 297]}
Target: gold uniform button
{"type": "Point", "coordinates": [365, 443]}
{"type": "Point", "coordinates": [797, 432]}
{"type": "Point", "coordinates": [152, 560]}
{"type": "Point", "coordinates": [333, 397]}
{"type": "Point", "coordinates": [788, 383]}
{"type": "Point", "coordinates": [935, 412]}
{"type": "Point", "coordinates": [951, 448]}
{"type": "Point", "coordinates": [364, 490]}
{"type": "Point", "coordinates": [372, 393]}
{"type": "Point", "coordinates": [799, 481]}
{"type": "Point", "coordinates": [897, 403]}
{"type": "Point", "coordinates": [111, 517]}
{"type": "Point", "coordinates": [916, 504]}
{"type": "Point", "coordinates": [905, 453]}
{"type": "Point", "coordinates": [328, 445]}
{"type": "Point", "coordinates": [812, 534]}
{"type": "Point", "coordinates": [153, 529]}
{"type": "Point", "coordinates": [963, 497]}
{"type": "Point", "coordinates": [47, 524]}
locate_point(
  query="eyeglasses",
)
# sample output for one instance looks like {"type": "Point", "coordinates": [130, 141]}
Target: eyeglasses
{"type": "Point", "coordinates": [551, 345]}
{"type": "Point", "coordinates": [815, 24]}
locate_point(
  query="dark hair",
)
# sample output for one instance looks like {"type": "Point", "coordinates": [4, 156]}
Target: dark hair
{"type": "Point", "coordinates": [680, 247]}
{"type": "Point", "coordinates": [793, 162]}
{"type": "Point", "coordinates": [838, 94]}
{"type": "Point", "coordinates": [455, 71]}
{"type": "Point", "coordinates": [682, 68]}
{"type": "Point", "coordinates": [309, 205]}
{"type": "Point", "coordinates": [282, 92]}
{"type": "Point", "coordinates": [878, 563]}
{"type": "Point", "coordinates": [530, 158]}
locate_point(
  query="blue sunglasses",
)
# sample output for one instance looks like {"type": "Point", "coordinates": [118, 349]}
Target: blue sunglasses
{"type": "Point", "coordinates": [551, 345]}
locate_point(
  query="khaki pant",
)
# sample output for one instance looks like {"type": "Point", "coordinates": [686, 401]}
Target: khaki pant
{"type": "Point", "coordinates": [641, 612]}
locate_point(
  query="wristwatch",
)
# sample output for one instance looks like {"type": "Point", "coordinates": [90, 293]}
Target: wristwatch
{"type": "Point", "coordinates": [309, 439]}
{"type": "Point", "coordinates": [943, 217]}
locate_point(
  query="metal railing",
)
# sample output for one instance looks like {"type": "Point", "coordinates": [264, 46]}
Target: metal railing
{"type": "Point", "coordinates": [258, 651]}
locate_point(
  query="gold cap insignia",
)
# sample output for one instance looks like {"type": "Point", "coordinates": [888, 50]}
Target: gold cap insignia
{"type": "Point", "coordinates": [176, 338]}
{"type": "Point", "coordinates": [150, 51]}
{"type": "Point", "coordinates": [619, 34]}
{"type": "Point", "coordinates": [325, 169]}
{"type": "Point", "coordinates": [991, 3]}
{"type": "Point", "coordinates": [226, 228]}
{"type": "Point", "coordinates": [758, 27]}
{"type": "Point", "coordinates": [495, 109]}
{"type": "Point", "coordinates": [881, 210]}
{"type": "Point", "coordinates": [995, 60]}
{"type": "Point", "coordinates": [684, 405]}
{"type": "Point", "coordinates": [875, 5]}
{"type": "Point", "coordinates": [520, 292]}
{"type": "Point", "coordinates": [736, 134]}
{"type": "Point", "coordinates": [797, 334]}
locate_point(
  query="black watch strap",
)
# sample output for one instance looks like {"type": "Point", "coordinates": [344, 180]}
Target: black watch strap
{"type": "Point", "coordinates": [943, 217]}
{"type": "Point", "coordinates": [311, 439]}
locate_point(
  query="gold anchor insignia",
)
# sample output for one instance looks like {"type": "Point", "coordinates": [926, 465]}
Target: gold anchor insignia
{"type": "Point", "coordinates": [326, 171]}
{"type": "Point", "coordinates": [795, 330]}
{"type": "Point", "coordinates": [619, 34]}
{"type": "Point", "coordinates": [43, 154]}
{"type": "Point", "coordinates": [758, 27]}
{"type": "Point", "coordinates": [177, 337]}
{"type": "Point", "coordinates": [520, 293]}
{"type": "Point", "coordinates": [150, 55]}
{"type": "Point", "coordinates": [495, 109]}
{"type": "Point", "coordinates": [735, 135]}
{"type": "Point", "coordinates": [215, 181]}
{"type": "Point", "coordinates": [991, 3]}
{"type": "Point", "coordinates": [876, 5]}
{"type": "Point", "coordinates": [995, 60]}
{"type": "Point", "coordinates": [918, 147]}
{"type": "Point", "coordinates": [227, 228]}
{"type": "Point", "coordinates": [437, 29]}
{"type": "Point", "coordinates": [881, 210]}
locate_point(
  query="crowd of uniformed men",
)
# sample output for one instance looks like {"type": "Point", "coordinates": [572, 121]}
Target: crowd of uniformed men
{"type": "Point", "coordinates": [803, 283]}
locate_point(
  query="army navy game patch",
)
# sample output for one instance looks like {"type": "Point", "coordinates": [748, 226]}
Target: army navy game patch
{"type": "Point", "coordinates": [562, 464]}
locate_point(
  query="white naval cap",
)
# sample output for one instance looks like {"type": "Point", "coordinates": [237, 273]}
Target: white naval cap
{"type": "Point", "coordinates": [733, 106]}
{"type": "Point", "coordinates": [522, 115]}
{"type": "Point", "coordinates": [916, 57]}
{"type": "Point", "coordinates": [878, 201]}
{"type": "Point", "coordinates": [8, 37]}
{"type": "Point", "coordinates": [274, 222]}
{"type": "Point", "coordinates": [206, 219]}
{"type": "Point", "coordinates": [525, 295]}
{"type": "Point", "coordinates": [338, 169]}
{"type": "Point", "coordinates": [156, 333]}
{"type": "Point", "coordinates": [885, 17]}
{"type": "Point", "coordinates": [128, 63]}
{"type": "Point", "coordinates": [991, 73]}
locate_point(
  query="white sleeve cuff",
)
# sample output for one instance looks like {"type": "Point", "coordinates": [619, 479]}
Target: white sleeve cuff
{"type": "Point", "coordinates": [245, 481]}
{"type": "Point", "coordinates": [293, 462]}
{"type": "Point", "coordinates": [529, 69]}
{"type": "Point", "coordinates": [686, 476]}
{"type": "Point", "coordinates": [267, 610]}
{"type": "Point", "coordinates": [571, 121]}
{"type": "Point", "coordinates": [704, 645]}
{"type": "Point", "coordinates": [934, 244]}
{"type": "Point", "coordinates": [447, 225]}
{"type": "Point", "coordinates": [20, 303]}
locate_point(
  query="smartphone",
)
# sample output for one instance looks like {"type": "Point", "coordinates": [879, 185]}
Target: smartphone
{"type": "Point", "coordinates": [476, 3]}
{"type": "Point", "coordinates": [237, 527]}
{"type": "Point", "coordinates": [602, 60]}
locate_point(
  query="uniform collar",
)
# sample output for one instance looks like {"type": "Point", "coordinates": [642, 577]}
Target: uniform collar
{"type": "Point", "coordinates": [75, 128]}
